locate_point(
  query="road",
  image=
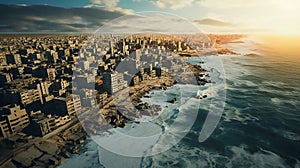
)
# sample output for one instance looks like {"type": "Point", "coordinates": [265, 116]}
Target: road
{"type": "Point", "coordinates": [11, 153]}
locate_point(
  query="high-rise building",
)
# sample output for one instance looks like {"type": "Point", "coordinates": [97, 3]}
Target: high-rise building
{"type": "Point", "coordinates": [112, 51]}
{"type": "Point", "coordinates": [151, 71]}
{"type": "Point", "coordinates": [137, 55]}
{"type": "Point", "coordinates": [45, 87]}
{"type": "Point", "coordinates": [179, 46]}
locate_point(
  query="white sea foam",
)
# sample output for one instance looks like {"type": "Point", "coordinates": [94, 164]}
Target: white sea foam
{"type": "Point", "coordinates": [297, 165]}
{"type": "Point", "coordinates": [264, 158]}
{"type": "Point", "coordinates": [183, 156]}
{"type": "Point", "coordinates": [234, 114]}
{"type": "Point", "coordinates": [290, 135]}
{"type": "Point", "coordinates": [248, 45]}
{"type": "Point", "coordinates": [85, 160]}
{"type": "Point", "coordinates": [245, 83]}
{"type": "Point", "coordinates": [132, 141]}
{"type": "Point", "coordinates": [277, 101]}
{"type": "Point", "coordinates": [280, 101]}
{"type": "Point", "coordinates": [282, 86]}
{"type": "Point", "coordinates": [181, 124]}
{"type": "Point", "coordinates": [179, 156]}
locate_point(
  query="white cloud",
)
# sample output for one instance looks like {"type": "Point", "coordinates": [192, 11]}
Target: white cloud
{"type": "Point", "coordinates": [227, 3]}
{"type": "Point", "coordinates": [264, 16]}
{"type": "Point", "coordinates": [173, 4]}
{"type": "Point", "coordinates": [21, 4]}
{"type": "Point", "coordinates": [150, 23]}
{"type": "Point", "coordinates": [109, 5]}
{"type": "Point", "coordinates": [106, 3]}
{"type": "Point", "coordinates": [122, 10]}
{"type": "Point", "coordinates": [55, 19]}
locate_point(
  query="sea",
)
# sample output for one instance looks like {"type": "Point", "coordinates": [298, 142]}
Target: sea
{"type": "Point", "coordinates": [259, 126]}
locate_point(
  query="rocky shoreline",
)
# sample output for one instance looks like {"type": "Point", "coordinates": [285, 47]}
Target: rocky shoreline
{"type": "Point", "coordinates": [136, 93]}
{"type": "Point", "coordinates": [53, 151]}
{"type": "Point", "coordinates": [70, 141]}
{"type": "Point", "coordinates": [127, 106]}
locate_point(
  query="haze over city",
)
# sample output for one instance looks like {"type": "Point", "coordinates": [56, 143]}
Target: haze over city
{"type": "Point", "coordinates": [228, 16]}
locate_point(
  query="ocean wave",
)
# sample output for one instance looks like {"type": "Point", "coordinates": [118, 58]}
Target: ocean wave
{"type": "Point", "coordinates": [279, 85]}
{"type": "Point", "coordinates": [280, 93]}
{"type": "Point", "coordinates": [234, 114]}
{"type": "Point", "coordinates": [278, 101]}
{"type": "Point", "coordinates": [297, 165]}
{"type": "Point", "coordinates": [255, 66]}
{"type": "Point", "coordinates": [263, 158]}
{"type": "Point", "coordinates": [234, 156]}
{"type": "Point", "coordinates": [252, 55]}
{"type": "Point", "coordinates": [236, 71]}
{"type": "Point", "coordinates": [244, 83]}
{"type": "Point", "coordinates": [249, 45]}
{"type": "Point", "coordinates": [183, 156]}
{"type": "Point", "coordinates": [290, 135]}
{"type": "Point", "coordinates": [281, 101]}
{"type": "Point", "coordinates": [276, 93]}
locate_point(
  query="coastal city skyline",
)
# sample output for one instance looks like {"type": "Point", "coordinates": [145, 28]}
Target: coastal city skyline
{"type": "Point", "coordinates": [149, 83]}
{"type": "Point", "coordinates": [50, 82]}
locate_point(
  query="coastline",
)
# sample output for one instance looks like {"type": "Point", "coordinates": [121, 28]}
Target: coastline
{"type": "Point", "coordinates": [136, 99]}
{"type": "Point", "coordinates": [139, 98]}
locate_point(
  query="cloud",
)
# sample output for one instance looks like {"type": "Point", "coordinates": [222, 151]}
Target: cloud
{"type": "Point", "coordinates": [227, 3]}
{"type": "Point", "coordinates": [110, 5]}
{"type": "Point", "coordinates": [22, 4]}
{"type": "Point", "coordinates": [213, 22]}
{"type": "Point", "coordinates": [173, 4]}
{"type": "Point", "coordinates": [111, 9]}
{"type": "Point", "coordinates": [150, 23]}
{"type": "Point", "coordinates": [276, 16]}
{"type": "Point", "coordinates": [106, 3]}
{"type": "Point", "coordinates": [44, 18]}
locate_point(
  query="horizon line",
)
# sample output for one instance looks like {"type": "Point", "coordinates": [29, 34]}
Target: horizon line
{"type": "Point", "coordinates": [61, 33]}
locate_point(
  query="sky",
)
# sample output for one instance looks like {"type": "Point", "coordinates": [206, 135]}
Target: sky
{"type": "Point", "coordinates": [222, 16]}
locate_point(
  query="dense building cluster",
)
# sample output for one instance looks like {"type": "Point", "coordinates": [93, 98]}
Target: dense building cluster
{"type": "Point", "coordinates": [35, 77]}
{"type": "Point", "coordinates": [46, 80]}
{"type": "Point", "coordinates": [139, 62]}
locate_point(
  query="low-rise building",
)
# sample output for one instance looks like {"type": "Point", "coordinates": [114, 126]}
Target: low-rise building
{"type": "Point", "coordinates": [41, 126]}
{"type": "Point", "coordinates": [102, 98]}
{"type": "Point", "coordinates": [13, 120]}
{"type": "Point", "coordinates": [59, 121]}
{"type": "Point", "coordinates": [114, 82]}
{"type": "Point", "coordinates": [29, 96]}
{"type": "Point", "coordinates": [4, 77]}
{"type": "Point", "coordinates": [62, 106]}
